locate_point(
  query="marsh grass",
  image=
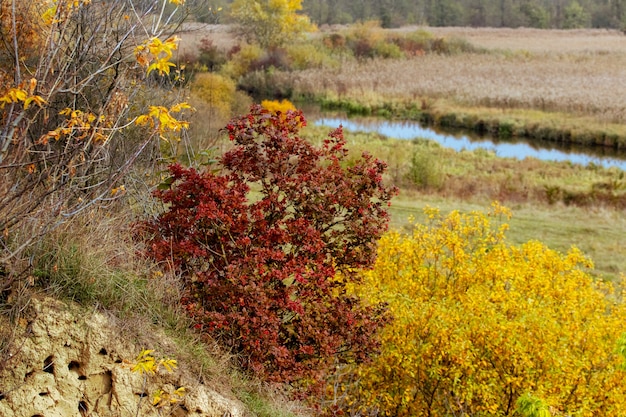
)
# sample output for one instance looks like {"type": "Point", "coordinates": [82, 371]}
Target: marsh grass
{"type": "Point", "coordinates": [563, 86]}
{"type": "Point", "coordinates": [529, 40]}
{"type": "Point", "coordinates": [581, 84]}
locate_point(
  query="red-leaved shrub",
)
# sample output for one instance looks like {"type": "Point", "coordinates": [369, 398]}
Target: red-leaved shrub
{"type": "Point", "coordinates": [260, 244]}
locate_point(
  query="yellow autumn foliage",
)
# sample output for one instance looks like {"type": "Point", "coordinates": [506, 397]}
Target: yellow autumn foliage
{"type": "Point", "coordinates": [276, 106]}
{"type": "Point", "coordinates": [479, 323]}
{"type": "Point", "coordinates": [216, 91]}
{"type": "Point", "coordinates": [270, 23]}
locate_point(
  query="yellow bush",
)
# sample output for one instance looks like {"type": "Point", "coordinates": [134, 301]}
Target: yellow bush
{"type": "Point", "coordinates": [480, 323]}
{"type": "Point", "coordinates": [276, 106]}
{"type": "Point", "coordinates": [216, 91]}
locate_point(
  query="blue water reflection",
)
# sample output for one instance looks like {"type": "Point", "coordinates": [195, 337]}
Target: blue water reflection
{"type": "Point", "coordinates": [519, 150]}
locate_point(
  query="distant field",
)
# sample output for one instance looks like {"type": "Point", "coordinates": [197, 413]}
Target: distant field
{"type": "Point", "coordinates": [192, 33]}
{"type": "Point", "coordinates": [582, 72]}
{"type": "Point", "coordinates": [537, 40]}
{"type": "Point", "coordinates": [592, 84]}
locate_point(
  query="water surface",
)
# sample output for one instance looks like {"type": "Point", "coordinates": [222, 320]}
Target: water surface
{"type": "Point", "coordinates": [519, 149]}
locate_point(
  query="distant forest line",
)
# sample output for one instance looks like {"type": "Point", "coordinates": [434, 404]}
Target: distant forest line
{"type": "Point", "coordinates": [560, 14]}
{"type": "Point", "coordinates": [555, 14]}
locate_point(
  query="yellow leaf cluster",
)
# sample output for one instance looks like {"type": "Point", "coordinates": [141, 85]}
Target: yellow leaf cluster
{"type": "Point", "coordinates": [146, 363]}
{"type": "Point", "coordinates": [79, 125]}
{"type": "Point", "coordinates": [276, 106]}
{"type": "Point", "coordinates": [270, 22]}
{"type": "Point", "coordinates": [161, 119]}
{"type": "Point", "coordinates": [162, 398]}
{"type": "Point", "coordinates": [59, 10]}
{"type": "Point", "coordinates": [479, 322]}
{"type": "Point", "coordinates": [156, 54]}
{"type": "Point", "coordinates": [20, 95]}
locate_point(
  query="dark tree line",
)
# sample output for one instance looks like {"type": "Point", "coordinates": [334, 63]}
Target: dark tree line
{"type": "Point", "coordinates": [561, 14]}
{"type": "Point", "coordinates": [565, 14]}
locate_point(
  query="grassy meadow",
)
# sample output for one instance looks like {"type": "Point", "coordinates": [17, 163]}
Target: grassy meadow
{"type": "Point", "coordinates": [558, 203]}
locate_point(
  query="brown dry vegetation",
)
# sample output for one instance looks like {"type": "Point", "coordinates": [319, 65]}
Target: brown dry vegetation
{"type": "Point", "coordinates": [581, 72]}
{"type": "Point", "coordinates": [192, 33]}
{"type": "Point", "coordinates": [578, 79]}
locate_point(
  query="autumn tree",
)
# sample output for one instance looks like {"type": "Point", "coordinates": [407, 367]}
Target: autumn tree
{"type": "Point", "coordinates": [259, 246]}
{"type": "Point", "coordinates": [271, 23]}
{"type": "Point", "coordinates": [71, 83]}
{"type": "Point", "coordinates": [483, 327]}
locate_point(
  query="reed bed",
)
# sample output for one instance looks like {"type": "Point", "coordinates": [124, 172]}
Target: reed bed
{"type": "Point", "coordinates": [583, 84]}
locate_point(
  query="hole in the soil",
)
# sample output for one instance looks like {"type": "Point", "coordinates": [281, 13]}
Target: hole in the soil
{"type": "Point", "coordinates": [103, 351]}
{"type": "Point", "coordinates": [142, 394]}
{"type": "Point", "coordinates": [48, 365]}
{"type": "Point", "coordinates": [73, 366]}
{"type": "Point", "coordinates": [82, 408]}
{"type": "Point", "coordinates": [28, 374]}
{"type": "Point", "coordinates": [118, 361]}
{"type": "Point", "coordinates": [36, 415]}
{"type": "Point", "coordinates": [82, 378]}
{"type": "Point", "coordinates": [2, 397]}
{"type": "Point", "coordinates": [43, 394]}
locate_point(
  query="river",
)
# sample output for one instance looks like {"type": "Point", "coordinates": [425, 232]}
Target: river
{"type": "Point", "coordinates": [519, 149]}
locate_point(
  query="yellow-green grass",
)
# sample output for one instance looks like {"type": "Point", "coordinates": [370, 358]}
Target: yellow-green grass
{"type": "Point", "coordinates": [558, 203]}
{"type": "Point", "coordinates": [481, 174]}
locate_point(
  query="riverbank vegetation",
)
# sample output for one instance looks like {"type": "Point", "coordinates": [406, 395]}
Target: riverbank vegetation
{"type": "Point", "coordinates": [566, 95]}
{"type": "Point", "coordinates": [562, 86]}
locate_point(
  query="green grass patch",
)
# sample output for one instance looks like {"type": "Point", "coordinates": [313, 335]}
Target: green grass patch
{"type": "Point", "coordinates": [559, 203]}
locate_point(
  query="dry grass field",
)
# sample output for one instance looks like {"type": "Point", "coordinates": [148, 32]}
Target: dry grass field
{"type": "Point", "coordinates": [536, 40]}
{"type": "Point", "coordinates": [578, 72]}
{"type": "Point", "coordinates": [192, 33]}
